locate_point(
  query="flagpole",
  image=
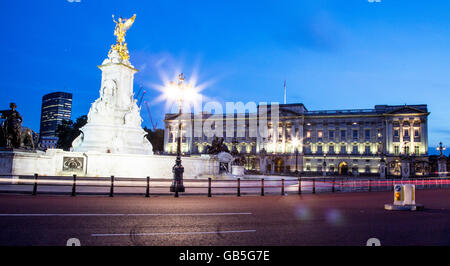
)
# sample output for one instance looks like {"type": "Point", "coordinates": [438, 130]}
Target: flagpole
{"type": "Point", "coordinates": [285, 92]}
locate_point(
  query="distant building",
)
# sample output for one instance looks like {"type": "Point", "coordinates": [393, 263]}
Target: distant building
{"type": "Point", "coordinates": [342, 141]}
{"type": "Point", "coordinates": [56, 107]}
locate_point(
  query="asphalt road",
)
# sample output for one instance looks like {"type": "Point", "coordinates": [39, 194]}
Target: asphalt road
{"type": "Point", "coordinates": [321, 219]}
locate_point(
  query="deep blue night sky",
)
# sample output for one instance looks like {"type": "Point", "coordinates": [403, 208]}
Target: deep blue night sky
{"type": "Point", "coordinates": [335, 54]}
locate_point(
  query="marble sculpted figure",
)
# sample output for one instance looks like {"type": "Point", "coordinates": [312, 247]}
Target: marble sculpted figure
{"type": "Point", "coordinates": [114, 120]}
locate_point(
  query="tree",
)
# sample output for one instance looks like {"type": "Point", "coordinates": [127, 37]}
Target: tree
{"type": "Point", "coordinates": [68, 131]}
{"type": "Point", "coordinates": [156, 138]}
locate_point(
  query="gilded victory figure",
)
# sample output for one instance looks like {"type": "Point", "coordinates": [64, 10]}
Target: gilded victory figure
{"type": "Point", "coordinates": [122, 26]}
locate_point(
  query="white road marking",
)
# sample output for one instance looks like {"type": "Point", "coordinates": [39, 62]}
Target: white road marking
{"type": "Point", "coordinates": [118, 214]}
{"type": "Point", "coordinates": [175, 233]}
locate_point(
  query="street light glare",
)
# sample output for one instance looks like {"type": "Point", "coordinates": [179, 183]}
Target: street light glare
{"type": "Point", "coordinates": [183, 91]}
{"type": "Point", "coordinates": [295, 142]}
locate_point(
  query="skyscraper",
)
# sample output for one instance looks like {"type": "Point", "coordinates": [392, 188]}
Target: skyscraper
{"type": "Point", "coordinates": [56, 107]}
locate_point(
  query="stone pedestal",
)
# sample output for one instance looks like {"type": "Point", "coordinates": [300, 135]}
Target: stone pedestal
{"type": "Point", "coordinates": [114, 121]}
{"type": "Point", "coordinates": [94, 164]}
{"type": "Point", "coordinates": [237, 170]}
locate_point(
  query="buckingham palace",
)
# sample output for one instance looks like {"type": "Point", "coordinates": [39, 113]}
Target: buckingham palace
{"type": "Point", "coordinates": [338, 142]}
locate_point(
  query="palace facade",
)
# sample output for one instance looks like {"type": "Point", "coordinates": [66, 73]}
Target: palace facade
{"type": "Point", "coordinates": [336, 141]}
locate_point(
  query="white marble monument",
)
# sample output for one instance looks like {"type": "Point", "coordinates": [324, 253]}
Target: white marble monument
{"type": "Point", "coordinates": [114, 121]}
{"type": "Point", "coordinates": [113, 141]}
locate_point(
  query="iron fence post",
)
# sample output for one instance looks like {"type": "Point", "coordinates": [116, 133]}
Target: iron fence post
{"type": "Point", "coordinates": [262, 187]}
{"type": "Point", "coordinates": [314, 186]}
{"type": "Point", "coordinates": [282, 187]}
{"type": "Point", "coordinates": [209, 187]}
{"type": "Point", "coordinates": [74, 186]}
{"type": "Point", "coordinates": [299, 185]}
{"type": "Point", "coordinates": [239, 187]}
{"type": "Point", "coordinates": [147, 192]}
{"type": "Point", "coordinates": [35, 185]}
{"type": "Point", "coordinates": [111, 191]}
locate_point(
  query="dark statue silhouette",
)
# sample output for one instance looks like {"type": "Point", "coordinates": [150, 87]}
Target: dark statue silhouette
{"type": "Point", "coordinates": [217, 146]}
{"type": "Point", "coordinates": [12, 133]}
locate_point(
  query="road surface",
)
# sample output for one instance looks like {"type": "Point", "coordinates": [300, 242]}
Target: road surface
{"type": "Point", "coordinates": [321, 219]}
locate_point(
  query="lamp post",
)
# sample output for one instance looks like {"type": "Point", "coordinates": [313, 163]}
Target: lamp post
{"type": "Point", "coordinates": [295, 142]}
{"type": "Point", "coordinates": [440, 148]}
{"type": "Point", "coordinates": [178, 169]}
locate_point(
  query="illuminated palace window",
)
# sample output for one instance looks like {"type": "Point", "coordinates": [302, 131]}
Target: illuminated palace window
{"type": "Point", "coordinates": [355, 134]}
{"type": "Point", "coordinates": [343, 135]}
{"type": "Point", "coordinates": [320, 134]}
{"type": "Point", "coordinates": [355, 149]}
{"type": "Point", "coordinates": [308, 134]}
{"type": "Point", "coordinates": [343, 149]}
{"type": "Point", "coordinates": [331, 134]}
{"type": "Point", "coordinates": [319, 149]}
{"type": "Point", "coordinates": [367, 134]}
{"type": "Point", "coordinates": [331, 149]}
{"type": "Point", "coordinates": [396, 150]}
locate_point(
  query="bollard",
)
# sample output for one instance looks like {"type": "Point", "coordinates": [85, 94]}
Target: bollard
{"type": "Point", "coordinates": [147, 192]}
{"type": "Point", "coordinates": [314, 186]}
{"type": "Point", "coordinates": [35, 185]}
{"type": "Point", "coordinates": [370, 185]}
{"type": "Point", "coordinates": [282, 187]}
{"type": "Point", "coordinates": [239, 187]}
{"type": "Point", "coordinates": [111, 192]}
{"type": "Point", "coordinates": [262, 187]}
{"type": "Point", "coordinates": [299, 185]}
{"type": "Point", "coordinates": [209, 187]}
{"type": "Point", "coordinates": [176, 190]}
{"type": "Point", "coordinates": [74, 186]}
{"type": "Point", "coordinates": [332, 188]}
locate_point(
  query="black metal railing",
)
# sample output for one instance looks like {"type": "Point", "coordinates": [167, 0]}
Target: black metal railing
{"type": "Point", "coordinates": [111, 186]}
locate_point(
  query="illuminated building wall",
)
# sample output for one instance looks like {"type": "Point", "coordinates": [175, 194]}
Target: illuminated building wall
{"type": "Point", "coordinates": [350, 141]}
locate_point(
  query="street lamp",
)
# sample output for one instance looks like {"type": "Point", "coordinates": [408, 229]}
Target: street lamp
{"type": "Point", "coordinates": [183, 92]}
{"type": "Point", "coordinates": [178, 169]}
{"type": "Point", "coordinates": [295, 143]}
{"type": "Point", "coordinates": [440, 148]}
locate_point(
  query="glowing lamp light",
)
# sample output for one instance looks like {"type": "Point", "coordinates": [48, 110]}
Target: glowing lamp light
{"type": "Point", "coordinates": [295, 142]}
{"type": "Point", "coordinates": [182, 92]}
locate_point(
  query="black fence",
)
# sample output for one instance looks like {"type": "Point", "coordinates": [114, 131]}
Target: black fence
{"type": "Point", "coordinates": [112, 186]}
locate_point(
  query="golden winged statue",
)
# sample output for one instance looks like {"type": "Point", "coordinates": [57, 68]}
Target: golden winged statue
{"type": "Point", "coordinates": [122, 26]}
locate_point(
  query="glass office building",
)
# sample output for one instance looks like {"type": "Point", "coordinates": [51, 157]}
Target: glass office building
{"type": "Point", "coordinates": [56, 107]}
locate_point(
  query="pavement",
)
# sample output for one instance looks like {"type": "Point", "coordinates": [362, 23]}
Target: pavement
{"type": "Point", "coordinates": [320, 219]}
